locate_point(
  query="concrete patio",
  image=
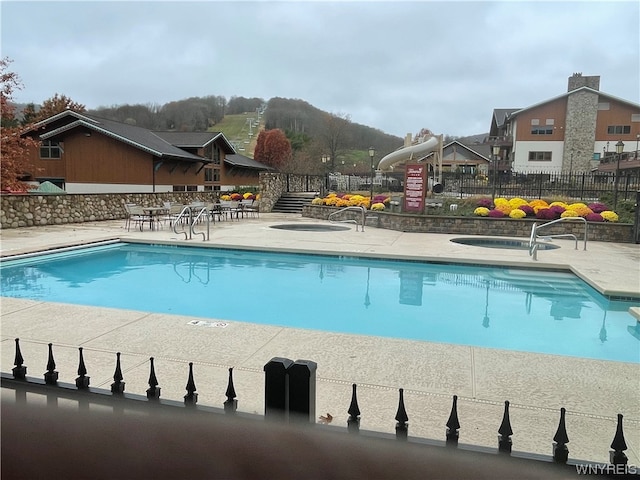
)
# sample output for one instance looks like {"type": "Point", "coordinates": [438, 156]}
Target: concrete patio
{"type": "Point", "coordinates": [537, 386]}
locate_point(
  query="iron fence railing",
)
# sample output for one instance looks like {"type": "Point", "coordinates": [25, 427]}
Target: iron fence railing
{"type": "Point", "coordinates": [289, 397]}
{"type": "Point", "coordinates": [577, 186]}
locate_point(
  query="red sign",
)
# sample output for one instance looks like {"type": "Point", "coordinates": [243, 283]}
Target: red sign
{"type": "Point", "coordinates": [415, 184]}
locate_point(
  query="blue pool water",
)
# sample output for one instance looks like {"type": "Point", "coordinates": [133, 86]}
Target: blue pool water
{"type": "Point", "coordinates": [532, 311]}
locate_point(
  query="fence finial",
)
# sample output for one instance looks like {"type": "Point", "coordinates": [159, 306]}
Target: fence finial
{"type": "Point", "coordinates": [51, 376]}
{"type": "Point", "coordinates": [353, 422]}
{"type": "Point", "coordinates": [191, 398]}
{"type": "Point", "coordinates": [402, 428]}
{"type": "Point", "coordinates": [82, 382]}
{"type": "Point", "coordinates": [560, 450]}
{"type": "Point", "coordinates": [504, 442]}
{"type": "Point", "coordinates": [617, 455]}
{"type": "Point", "coordinates": [231, 404]}
{"type": "Point", "coordinates": [20, 370]}
{"type": "Point", "coordinates": [153, 392]}
{"type": "Point", "coordinates": [453, 425]}
{"type": "Point", "coordinates": [117, 387]}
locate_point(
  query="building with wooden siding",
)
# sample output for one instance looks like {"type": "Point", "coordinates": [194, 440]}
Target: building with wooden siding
{"type": "Point", "coordinates": [82, 153]}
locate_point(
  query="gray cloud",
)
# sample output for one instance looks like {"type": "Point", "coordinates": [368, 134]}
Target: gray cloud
{"type": "Point", "coordinates": [395, 66]}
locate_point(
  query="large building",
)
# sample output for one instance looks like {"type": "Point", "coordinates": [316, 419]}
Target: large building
{"type": "Point", "coordinates": [573, 132]}
{"type": "Point", "coordinates": [82, 153]}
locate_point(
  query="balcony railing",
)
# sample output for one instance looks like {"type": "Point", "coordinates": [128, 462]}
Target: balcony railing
{"type": "Point", "coordinates": [289, 399]}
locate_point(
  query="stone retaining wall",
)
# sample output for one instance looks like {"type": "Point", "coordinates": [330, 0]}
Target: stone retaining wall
{"type": "Point", "coordinates": [508, 227]}
{"type": "Point", "coordinates": [37, 210]}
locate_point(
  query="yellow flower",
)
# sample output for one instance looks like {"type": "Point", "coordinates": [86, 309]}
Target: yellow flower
{"type": "Point", "coordinates": [500, 201]}
{"type": "Point", "coordinates": [317, 201]}
{"type": "Point", "coordinates": [247, 195]}
{"type": "Point", "coordinates": [225, 197]}
{"type": "Point", "coordinates": [481, 211]}
{"type": "Point", "coordinates": [515, 202]}
{"type": "Point", "coordinates": [517, 213]}
{"type": "Point", "coordinates": [609, 216]}
{"type": "Point", "coordinates": [377, 206]}
{"type": "Point", "coordinates": [569, 213]}
{"type": "Point", "coordinates": [559, 204]}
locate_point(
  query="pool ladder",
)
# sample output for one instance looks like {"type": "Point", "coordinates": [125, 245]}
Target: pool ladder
{"type": "Point", "coordinates": [189, 214]}
{"type": "Point", "coordinates": [361, 210]}
{"type": "Point", "coordinates": [534, 245]}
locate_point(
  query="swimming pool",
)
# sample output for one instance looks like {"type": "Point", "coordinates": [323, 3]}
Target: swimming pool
{"type": "Point", "coordinates": [523, 310]}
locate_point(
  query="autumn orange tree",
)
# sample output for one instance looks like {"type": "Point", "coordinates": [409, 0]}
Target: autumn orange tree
{"type": "Point", "coordinates": [272, 148]}
{"type": "Point", "coordinates": [56, 104]}
{"type": "Point", "coordinates": [15, 160]}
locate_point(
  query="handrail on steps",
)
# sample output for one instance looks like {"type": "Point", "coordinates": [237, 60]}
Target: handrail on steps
{"type": "Point", "coordinates": [533, 239]}
{"type": "Point", "coordinates": [187, 211]}
{"type": "Point", "coordinates": [362, 210]}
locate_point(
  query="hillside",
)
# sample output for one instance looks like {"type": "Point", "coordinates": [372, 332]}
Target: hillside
{"type": "Point", "coordinates": [241, 130]}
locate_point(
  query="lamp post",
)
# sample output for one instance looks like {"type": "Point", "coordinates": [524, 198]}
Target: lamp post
{"type": "Point", "coordinates": [325, 161]}
{"type": "Point", "coordinates": [372, 153]}
{"type": "Point", "coordinates": [619, 150]}
{"type": "Point", "coordinates": [495, 150]}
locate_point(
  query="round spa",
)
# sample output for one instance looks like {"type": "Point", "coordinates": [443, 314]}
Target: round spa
{"type": "Point", "coordinates": [508, 243]}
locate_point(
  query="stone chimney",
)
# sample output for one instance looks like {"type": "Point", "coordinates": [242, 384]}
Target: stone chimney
{"type": "Point", "coordinates": [577, 80]}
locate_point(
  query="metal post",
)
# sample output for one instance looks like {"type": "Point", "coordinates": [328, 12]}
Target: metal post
{"type": "Point", "coordinates": [619, 150]}
{"type": "Point", "coordinates": [495, 151]}
{"type": "Point", "coordinates": [372, 153]}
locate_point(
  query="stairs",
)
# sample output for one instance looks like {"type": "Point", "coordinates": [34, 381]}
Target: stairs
{"type": "Point", "coordinates": [293, 202]}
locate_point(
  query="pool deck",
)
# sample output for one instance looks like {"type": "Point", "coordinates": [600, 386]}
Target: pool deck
{"type": "Point", "coordinates": [536, 385]}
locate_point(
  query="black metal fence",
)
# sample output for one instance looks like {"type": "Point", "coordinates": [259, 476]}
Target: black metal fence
{"type": "Point", "coordinates": [577, 186]}
{"type": "Point", "coordinates": [289, 397]}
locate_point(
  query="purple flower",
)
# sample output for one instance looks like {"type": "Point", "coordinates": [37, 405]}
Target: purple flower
{"type": "Point", "coordinates": [379, 199]}
{"type": "Point", "coordinates": [527, 209]}
{"type": "Point", "coordinates": [496, 213]}
{"type": "Point", "coordinates": [557, 211]}
{"type": "Point", "coordinates": [485, 202]}
{"type": "Point", "coordinates": [597, 207]}
{"type": "Point", "coordinates": [594, 217]}
{"type": "Point", "coordinates": [545, 214]}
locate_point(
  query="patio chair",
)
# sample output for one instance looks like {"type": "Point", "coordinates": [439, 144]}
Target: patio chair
{"type": "Point", "coordinates": [135, 215]}
{"type": "Point", "coordinates": [249, 208]}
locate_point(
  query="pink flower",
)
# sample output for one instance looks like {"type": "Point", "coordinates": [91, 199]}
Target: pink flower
{"type": "Point", "coordinates": [594, 217]}
{"type": "Point", "coordinates": [527, 209]}
{"type": "Point", "coordinates": [496, 213]}
{"type": "Point", "coordinates": [598, 207]}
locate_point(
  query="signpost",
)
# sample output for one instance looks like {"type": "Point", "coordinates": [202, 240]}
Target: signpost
{"type": "Point", "coordinates": [415, 183]}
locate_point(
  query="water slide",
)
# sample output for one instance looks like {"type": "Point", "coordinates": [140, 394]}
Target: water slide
{"type": "Point", "coordinates": [414, 153]}
{"type": "Point", "coordinates": [411, 152]}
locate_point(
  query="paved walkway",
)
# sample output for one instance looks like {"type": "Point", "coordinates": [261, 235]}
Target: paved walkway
{"type": "Point", "coordinates": [536, 385]}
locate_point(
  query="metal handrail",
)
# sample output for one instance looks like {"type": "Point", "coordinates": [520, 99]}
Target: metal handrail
{"type": "Point", "coordinates": [533, 238]}
{"type": "Point", "coordinates": [203, 211]}
{"type": "Point", "coordinates": [187, 211]}
{"type": "Point", "coordinates": [362, 210]}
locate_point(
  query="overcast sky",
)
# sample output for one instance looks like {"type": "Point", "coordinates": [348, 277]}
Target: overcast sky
{"type": "Point", "coordinates": [395, 66]}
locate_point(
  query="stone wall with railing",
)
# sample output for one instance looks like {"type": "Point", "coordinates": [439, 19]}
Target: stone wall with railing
{"type": "Point", "coordinates": [508, 227]}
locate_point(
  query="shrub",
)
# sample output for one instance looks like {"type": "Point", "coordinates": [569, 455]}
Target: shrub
{"type": "Point", "coordinates": [481, 211]}
{"type": "Point", "coordinates": [609, 216]}
{"type": "Point", "coordinates": [496, 213]}
{"type": "Point", "coordinates": [594, 217]}
{"type": "Point", "coordinates": [517, 213]}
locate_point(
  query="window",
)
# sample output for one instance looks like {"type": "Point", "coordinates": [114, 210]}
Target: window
{"type": "Point", "coordinates": [208, 174]}
{"type": "Point", "coordinates": [539, 156]}
{"type": "Point", "coordinates": [550, 121]}
{"type": "Point", "coordinates": [49, 149]}
{"type": "Point", "coordinates": [178, 188]}
{"type": "Point", "coordinates": [192, 188]}
{"type": "Point", "coordinates": [546, 130]}
{"type": "Point", "coordinates": [216, 175]}
{"type": "Point", "coordinates": [618, 129]}
{"type": "Point", "coordinates": [216, 156]}
{"type": "Point", "coordinates": [535, 121]}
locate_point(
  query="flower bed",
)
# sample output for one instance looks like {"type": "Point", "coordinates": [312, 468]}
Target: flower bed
{"type": "Point", "coordinates": [519, 208]}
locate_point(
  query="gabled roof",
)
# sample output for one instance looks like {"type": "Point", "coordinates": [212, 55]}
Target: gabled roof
{"type": "Point", "coordinates": [564, 95]}
{"type": "Point", "coordinates": [237, 160]}
{"type": "Point", "coordinates": [500, 115]}
{"type": "Point", "coordinates": [482, 150]}
{"type": "Point", "coordinates": [196, 139]}
{"type": "Point", "coordinates": [137, 137]}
